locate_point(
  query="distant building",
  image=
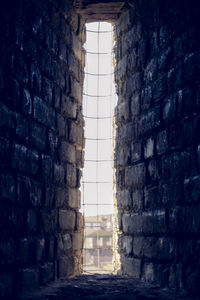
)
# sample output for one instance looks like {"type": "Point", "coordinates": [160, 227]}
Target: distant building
{"type": "Point", "coordinates": [98, 243]}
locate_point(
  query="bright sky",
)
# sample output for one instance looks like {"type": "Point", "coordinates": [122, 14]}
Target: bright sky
{"type": "Point", "coordinates": [98, 120]}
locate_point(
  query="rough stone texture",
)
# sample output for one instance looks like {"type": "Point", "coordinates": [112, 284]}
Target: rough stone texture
{"type": "Point", "coordinates": [157, 142]}
{"type": "Point", "coordinates": [41, 136]}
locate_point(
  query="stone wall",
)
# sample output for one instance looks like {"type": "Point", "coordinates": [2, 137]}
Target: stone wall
{"type": "Point", "coordinates": [157, 142]}
{"type": "Point", "coordinates": [41, 129]}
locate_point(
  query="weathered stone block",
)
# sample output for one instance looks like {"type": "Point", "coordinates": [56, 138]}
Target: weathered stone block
{"type": "Point", "coordinates": [65, 266]}
{"type": "Point", "coordinates": [162, 142]}
{"type": "Point", "coordinates": [62, 126]}
{"type": "Point", "coordinates": [136, 152]}
{"type": "Point", "coordinates": [7, 191]}
{"type": "Point", "coordinates": [127, 245]}
{"type": "Point", "coordinates": [32, 220]}
{"type": "Point", "coordinates": [80, 221]}
{"type": "Point", "coordinates": [67, 152]}
{"type": "Point", "coordinates": [137, 200]}
{"type": "Point", "coordinates": [48, 220]}
{"type": "Point", "coordinates": [43, 112]}
{"type": "Point", "coordinates": [39, 249]}
{"type": "Point", "coordinates": [71, 175]}
{"type": "Point", "coordinates": [135, 175]}
{"type": "Point", "coordinates": [68, 107]}
{"type": "Point", "coordinates": [59, 174]}
{"type": "Point", "coordinates": [22, 127]}
{"type": "Point", "coordinates": [37, 135]}
{"type": "Point", "coordinates": [151, 197]}
{"type": "Point", "coordinates": [74, 198]}
{"type": "Point", "coordinates": [77, 241]}
{"type": "Point", "coordinates": [149, 148]}
{"type": "Point", "coordinates": [131, 267]}
{"type": "Point", "coordinates": [46, 273]}
{"type": "Point", "coordinates": [76, 134]}
{"type": "Point", "coordinates": [67, 219]}
{"type": "Point", "coordinates": [64, 244]}
{"type": "Point", "coordinates": [192, 189]}
{"type": "Point", "coordinates": [124, 199]}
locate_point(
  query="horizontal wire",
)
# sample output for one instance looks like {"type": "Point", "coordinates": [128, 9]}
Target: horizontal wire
{"type": "Point", "coordinates": [96, 118]}
{"type": "Point", "coordinates": [95, 31]}
{"type": "Point", "coordinates": [93, 139]}
{"type": "Point", "coordinates": [98, 96]}
{"type": "Point", "coordinates": [98, 53]}
{"type": "Point", "coordinates": [96, 182]}
{"type": "Point", "coordinates": [100, 160]}
{"type": "Point", "coordinates": [97, 74]}
{"type": "Point", "coordinates": [97, 204]}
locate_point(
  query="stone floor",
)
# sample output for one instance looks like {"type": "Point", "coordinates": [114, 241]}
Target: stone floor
{"type": "Point", "coordinates": [98, 287]}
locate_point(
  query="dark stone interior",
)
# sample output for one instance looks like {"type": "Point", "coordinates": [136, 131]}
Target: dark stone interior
{"type": "Point", "coordinates": [157, 152]}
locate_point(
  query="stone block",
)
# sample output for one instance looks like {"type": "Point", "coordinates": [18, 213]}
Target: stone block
{"type": "Point", "coordinates": [23, 189]}
{"type": "Point", "coordinates": [59, 174]}
{"type": "Point", "coordinates": [62, 126]}
{"type": "Point", "coordinates": [67, 219]}
{"type": "Point", "coordinates": [161, 142]}
{"type": "Point", "coordinates": [30, 278]}
{"type": "Point", "coordinates": [7, 255]}
{"type": "Point", "coordinates": [47, 167]}
{"type": "Point", "coordinates": [151, 197]}
{"type": "Point", "coordinates": [146, 98]}
{"type": "Point", "coordinates": [124, 199]}
{"type": "Point", "coordinates": [122, 155]}
{"type": "Point", "coordinates": [169, 111]}
{"type": "Point", "coordinates": [76, 134]}
{"type": "Point", "coordinates": [68, 108]}
{"type": "Point", "coordinates": [36, 193]}
{"type": "Point", "coordinates": [46, 273]}
{"type": "Point", "coordinates": [48, 220]}
{"type": "Point", "coordinates": [137, 200]}
{"type": "Point", "coordinates": [135, 176]}
{"type": "Point", "coordinates": [71, 175]}
{"type": "Point", "coordinates": [32, 161]}
{"type": "Point", "coordinates": [149, 122]}
{"type": "Point", "coordinates": [148, 273]}
{"type": "Point", "coordinates": [131, 267]}
{"type": "Point", "coordinates": [37, 135]}
{"type": "Point", "coordinates": [39, 249]}
{"type": "Point", "coordinates": [19, 157]}
{"type": "Point", "coordinates": [61, 197]}
{"type": "Point", "coordinates": [127, 245]}
{"type": "Point", "coordinates": [133, 84]}
{"type": "Point", "coordinates": [171, 192]}
{"type": "Point", "coordinates": [32, 220]}
{"type": "Point", "coordinates": [52, 141]}
{"type": "Point", "coordinates": [65, 266]}
{"type": "Point", "coordinates": [126, 133]}
{"type": "Point", "coordinates": [76, 90]}
{"type": "Point", "coordinates": [36, 79]}
{"type": "Point", "coordinates": [77, 241]}
{"type": "Point", "coordinates": [192, 189]}
{"type": "Point", "coordinates": [159, 89]}
{"type": "Point", "coordinates": [7, 191]}
{"type": "Point", "coordinates": [122, 113]}
{"type": "Point", "coordinates": [138, 246]}
{"type": "Point", "coordinates": [23, 251]}
{"type": "Point", "coordinates": [80, 221]}
{"type": "Point", "coordinates": [64, 244]}
{"type": "Point", "coordinates": [151, 71]}
{"type": "Point", "coordinates": [43, 112]}
{"type": "Point", "coordinates": [67, 152]}
{"type": "Point", "coordinates": [136, 152]}
{"type": "Point", "coordinates": [154, 222]}
{"type": "Point", "coordinates": [47, 90]}
{"type": "Point", "coordinates": [131, 223]}
{"type": "Point", "coordinates": [74, 198]}
{"type": "Point", "coordinates": [149, 148]}
{"type": "Point", "coordinates": [22, 127]}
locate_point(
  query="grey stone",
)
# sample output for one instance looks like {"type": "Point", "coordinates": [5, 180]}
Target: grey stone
{"type": "Point", "coordinates": [67, 219]}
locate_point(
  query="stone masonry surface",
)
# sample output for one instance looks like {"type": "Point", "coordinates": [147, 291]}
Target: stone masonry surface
{"type": "Point", "coordinates": [41, 144]}
{"type": "Point", "coordinates": [157, 142]}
